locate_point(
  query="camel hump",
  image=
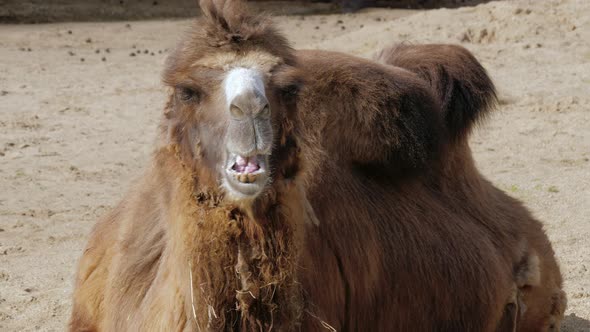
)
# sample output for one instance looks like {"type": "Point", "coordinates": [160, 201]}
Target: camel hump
{"type": "Point", "coordinates": [463, 86]}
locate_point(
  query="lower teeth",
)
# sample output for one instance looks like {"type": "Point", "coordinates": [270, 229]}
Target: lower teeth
{"type": "Point", "coordinates": [246, 178]}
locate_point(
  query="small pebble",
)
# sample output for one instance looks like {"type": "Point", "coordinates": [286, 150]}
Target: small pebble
{"type": "Point", "coordinates": [88, 40]}
{"type": "Point", "coordinates": [317, 27]}
{"type": "Point", "coordinates": [29, 49]}
{"type": "Point", "coordinates": [103, 59]}
{"type": "Point", "coordinates": [82, 59]}
{"type": "Point", "coordinates": [71, 53]}
{"type": "Point", "coordinates": [69, 32]}
{"type": "Point", "coordinates": [132, 54]}
{"type": "Point", "coordinates": [152, 54]}
{"type": "Point", "coordinates": [108, 50]}
{"type": "Point", "coordinates": [128, 25]}
{"type": "Point", "coordinates": [97, 51]}
{"type": "Point", "coordinates": [146, 52]}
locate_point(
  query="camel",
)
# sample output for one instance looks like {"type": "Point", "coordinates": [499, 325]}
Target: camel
{"type": "Point", "coordinates": [313, 190]}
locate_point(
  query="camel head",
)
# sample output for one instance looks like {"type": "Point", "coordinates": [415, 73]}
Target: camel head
{"type": "Point", "coordinates": [232, 81]}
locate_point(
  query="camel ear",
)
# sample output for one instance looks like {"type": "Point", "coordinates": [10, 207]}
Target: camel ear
{"type": "Point", "coordinates": [462, 85]}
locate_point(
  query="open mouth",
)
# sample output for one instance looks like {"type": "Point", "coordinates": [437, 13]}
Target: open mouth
{"type": "Point", "coordinates": [246, 176]}
{"type": "Point", "coordinates": [247, 169]}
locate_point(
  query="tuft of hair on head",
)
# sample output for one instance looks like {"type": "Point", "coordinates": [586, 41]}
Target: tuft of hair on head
{"type": "Point", "coordinates": [466, 92]}
{"type": "Point", "coordinates": [226, 16]}
{"type": "Point", "coordinates": [231, 22]}
{"type": "Point", "coordinates": [229, 25]}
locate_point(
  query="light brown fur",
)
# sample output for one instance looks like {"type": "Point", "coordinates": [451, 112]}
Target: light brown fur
{"type": "Point", "coordinates": [376, 218]}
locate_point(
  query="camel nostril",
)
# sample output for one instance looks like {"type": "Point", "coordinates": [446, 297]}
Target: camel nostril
{"type": "Point", "coordinates": [235, 111]}
{"type": "Point", "coordinates": [264, 111]}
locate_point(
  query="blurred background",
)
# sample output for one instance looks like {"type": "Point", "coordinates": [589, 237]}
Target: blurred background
{"type": "Point", "coordinates": [80, 99]}
{"type": "Point", "coordinates": [43, 11]}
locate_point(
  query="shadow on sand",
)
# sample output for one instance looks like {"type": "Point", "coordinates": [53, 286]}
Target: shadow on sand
{"type": "Point", "coordinates": [573, 323]}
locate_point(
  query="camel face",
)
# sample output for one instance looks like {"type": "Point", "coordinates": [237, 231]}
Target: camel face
{"type": "Point", "coordinates": [249, 134]}
{"type": "Point", "coordinates": [230, 115]}
{"type": "Point", "coordinates": [226, 112]}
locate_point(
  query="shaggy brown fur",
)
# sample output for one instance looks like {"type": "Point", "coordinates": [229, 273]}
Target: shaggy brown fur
{"type": "Point", "coordinates": [458, 79]}
{"type": "Point", "coordinates": [467, 95]}
{"type": "Point", "coordinates": [175, 254]}
{"type": "Point", "coordinates": [374, 220]}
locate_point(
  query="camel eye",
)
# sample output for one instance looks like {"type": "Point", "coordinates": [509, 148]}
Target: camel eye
{"type": "Point", "coordinates": [291, 90]}
{"type": "Point", "coordinates": [188, 94]}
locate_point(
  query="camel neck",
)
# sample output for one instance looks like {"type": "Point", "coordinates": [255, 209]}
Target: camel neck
{"type": "Point", "coordinates": [235, 268]}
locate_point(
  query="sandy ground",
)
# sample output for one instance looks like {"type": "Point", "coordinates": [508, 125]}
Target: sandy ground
{"type": "Point", "coordinates": [78, 115]}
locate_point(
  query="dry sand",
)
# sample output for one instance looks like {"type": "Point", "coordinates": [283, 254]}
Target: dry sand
{"type": "Point", "coordinates": [76, 130]}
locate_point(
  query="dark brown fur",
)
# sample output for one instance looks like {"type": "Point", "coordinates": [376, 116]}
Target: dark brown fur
{"type": "Point", "coordinates": [410, 236]}
{"type": "Point", "coordinates": [458, 79]}
{"type": "Point", "coordinates": [467, 96]}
